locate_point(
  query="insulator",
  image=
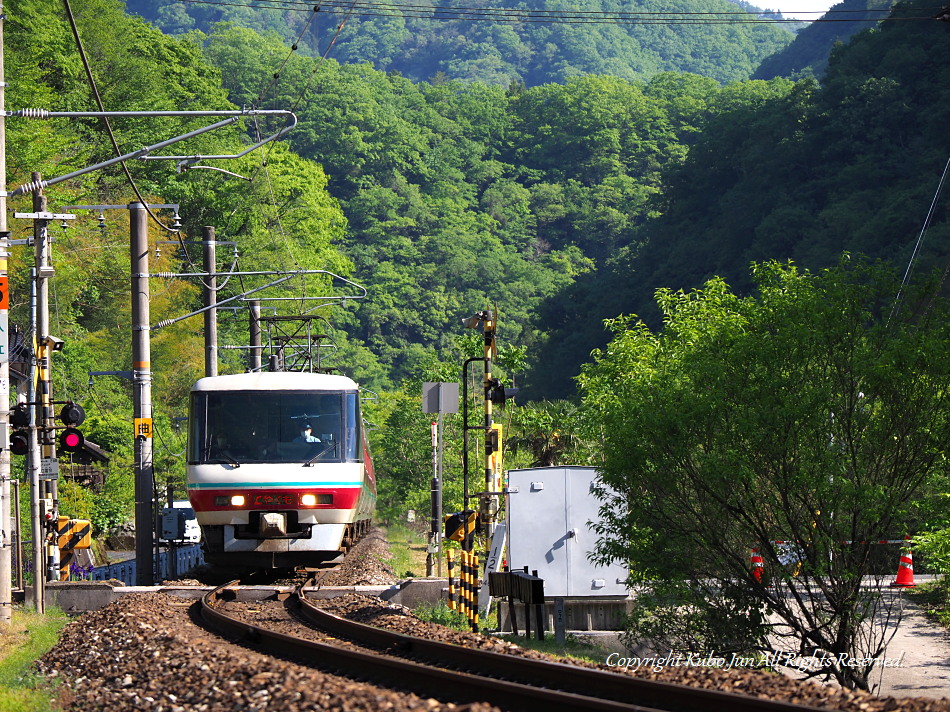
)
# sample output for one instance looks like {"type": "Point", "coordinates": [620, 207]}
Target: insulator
{"type": "Point", "coordinates": [164, 323]}
{"type": "Point", "coordinates": [33, 186]}
{"type": "Point", "coordinates": [164, 275]}
{"type": "Point", "coordinates": [32, 113]}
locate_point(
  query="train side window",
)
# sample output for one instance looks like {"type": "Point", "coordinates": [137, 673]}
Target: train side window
{"type": "Point", "coordinates": [352, 424]}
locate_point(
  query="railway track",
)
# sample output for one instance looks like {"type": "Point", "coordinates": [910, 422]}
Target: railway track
{"type": "Point", "coordinates": [459, 674]}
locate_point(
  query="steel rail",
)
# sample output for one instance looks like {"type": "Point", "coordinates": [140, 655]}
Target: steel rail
{"type": "Point", "coordinates": [547, 674]}
{"type": "Point", "coordinates": [482, 677]}
{"type": "Point", "coordinates": [399, 673]}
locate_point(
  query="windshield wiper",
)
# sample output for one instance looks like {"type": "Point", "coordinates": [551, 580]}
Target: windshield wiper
{"type": "Point", "coordinates": [226, 459]}
{"type": "Point", "coordinates": [330, 446]}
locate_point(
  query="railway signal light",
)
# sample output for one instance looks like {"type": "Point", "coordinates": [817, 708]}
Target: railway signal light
{"type": "Point", "coordinates": [20, 416]}
{"type": "Point", "coordinates": [71, 440]}
{"type": "Point", "coordinates": [19, 442]}
{"type": "Point", "coordinates": [72, 414]}
{"type": "Point", "coordinates": [498, 394]}
{"type": "Point", "coordinates": [20, 438]}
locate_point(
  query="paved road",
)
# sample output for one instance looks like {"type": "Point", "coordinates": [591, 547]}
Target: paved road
{"type": "Point", "coordinates": [923, 648]}
{"type": "Point", "coordinates": [926, 665]}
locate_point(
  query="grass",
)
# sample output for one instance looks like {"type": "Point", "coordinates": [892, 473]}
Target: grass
{"type": "Point", "coordinates": [574, 647]}
{"type": "Point", "coordinates": [934, 598]}
{"type": "Point", "coordinates": [25, 640]}
{"type": "Point", "coordinates": [443, 615]}
{"type": "Point", "coordinates": [407, 549]}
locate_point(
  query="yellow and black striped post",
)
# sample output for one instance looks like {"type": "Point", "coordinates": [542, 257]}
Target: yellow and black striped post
{"type": "Point", "coordinates": [474, 613]}
{"type": "Point", "coordinates": [453, 605]}
{"type": "Point", "coordinates": [468, 588]}
{"type": "Point", "coordinates": [463, 583]}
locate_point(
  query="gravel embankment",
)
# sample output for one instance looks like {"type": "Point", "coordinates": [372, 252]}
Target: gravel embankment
{"type": "Point", "coordinates": [144, 652]}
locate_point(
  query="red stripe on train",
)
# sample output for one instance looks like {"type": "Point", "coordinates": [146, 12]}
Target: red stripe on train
{"type": "Point", "coordinates": [342, 498]}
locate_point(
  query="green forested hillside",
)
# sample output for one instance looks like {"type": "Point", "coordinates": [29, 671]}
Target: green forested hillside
{"type": "Point", "coordinates": [285, 217]}
{"type": "Point", "coordinates": [461, 194]}
{"type": "Point", "coordinates": [561, 203]}
{"type": "Point", "coordinates": [804, 174]}
{"type": "Point", "coordinates": [808, 53]}
{"type": "Point", "coordinates": [535, 43]}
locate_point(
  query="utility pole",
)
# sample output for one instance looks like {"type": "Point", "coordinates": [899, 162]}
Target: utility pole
{"type": "Point", "coordinates": [6, 552]}
{"type": "Point", "coordinates": [142, 394]}
{"type": "Point", "coordinates": [44, 396]}
{"type": "Point", "coordinates": [41, 464]}
{"type": "Point", "coordinates": [141, 384]}
{"type": "Point", "coordinates": [37, 512]}
{"type": "Point", "coordinates": [254, 326]}
{"type": "Point", "coordinates": [211, 300]}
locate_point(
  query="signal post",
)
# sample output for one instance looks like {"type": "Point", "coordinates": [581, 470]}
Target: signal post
{"type": "Point", "coordinates": [461, 527]}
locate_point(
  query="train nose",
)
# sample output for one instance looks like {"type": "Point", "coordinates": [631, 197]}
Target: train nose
{"type": "Point", "coordinates": [273, 524]}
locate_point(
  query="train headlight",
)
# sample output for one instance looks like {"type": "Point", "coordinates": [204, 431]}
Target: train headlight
{"type": "Point", "coordinates": [308, 500]}
{"type": "Point", "coordinates": [237, 500]}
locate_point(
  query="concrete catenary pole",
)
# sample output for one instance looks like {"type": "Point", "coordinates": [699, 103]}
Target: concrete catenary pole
{"type": "Point", "coordinates": [142, 394]}
{"type": "Point", "coordinates": [44, 395]}
{"type": "Point", "coordinates": [255, 335]}
{"type": "Point", "coordinates": [6, 552]}
{"type": "Point", "coordinates": [38, 530]}
{"type": "Point", "coordinates": [210, 299]}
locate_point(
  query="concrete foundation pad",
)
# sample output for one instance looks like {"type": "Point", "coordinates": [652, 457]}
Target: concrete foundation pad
{"type": "Point", "coordinates": [77, 597]}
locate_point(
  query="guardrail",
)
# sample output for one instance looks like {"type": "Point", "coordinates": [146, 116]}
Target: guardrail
{"type": "Point", "coordinates": [168, 565]}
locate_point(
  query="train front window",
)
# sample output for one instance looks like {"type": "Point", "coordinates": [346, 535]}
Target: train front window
{"type": "Point", "coordinates": [237, 427]}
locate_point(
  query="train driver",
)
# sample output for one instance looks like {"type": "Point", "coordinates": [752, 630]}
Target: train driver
{"type": "Point", "coordinates": [306, 435]}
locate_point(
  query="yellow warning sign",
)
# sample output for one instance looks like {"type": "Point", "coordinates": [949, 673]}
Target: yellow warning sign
{"type": "Point", "coordinates": [143, 427]}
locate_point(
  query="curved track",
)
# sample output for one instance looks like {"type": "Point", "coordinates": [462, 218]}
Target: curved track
{"type": "Point", "coordinates": [465, 675]}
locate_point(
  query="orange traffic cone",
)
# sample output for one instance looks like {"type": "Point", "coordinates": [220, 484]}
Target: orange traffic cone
{"type": "Point", "coordinates": [905, 570]}
{"type": "Point", "coordinates": [757, 566]}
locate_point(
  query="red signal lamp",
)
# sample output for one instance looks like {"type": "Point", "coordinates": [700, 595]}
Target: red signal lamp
{"type": "Point", "coordinates": [71, 440]}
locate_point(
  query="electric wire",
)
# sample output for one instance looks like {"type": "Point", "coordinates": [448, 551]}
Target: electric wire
{"type": "Point", "coordinates": [268, 149]}
{"type": "Point", "coordinates": [98, 99]}
{"type": "Point", "coordinates": [293, 48]}
{"type": "Point", "coordinates": [115, 145]}
{"type": "Point", "coordinates": [914, 255]}
{"type": "Point", "coordinates": [920, 239]}
{"type": "Point", "coordinates": [165, 446]}
{"type": "Point", "coordinates": [514, 15]}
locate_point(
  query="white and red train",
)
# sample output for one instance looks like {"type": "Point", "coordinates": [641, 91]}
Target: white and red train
{"type": "Point", "coordinates": [266, 493]}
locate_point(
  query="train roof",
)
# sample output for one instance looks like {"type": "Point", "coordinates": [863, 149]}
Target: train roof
{"type": "Point", "coordinates": [276, 381]}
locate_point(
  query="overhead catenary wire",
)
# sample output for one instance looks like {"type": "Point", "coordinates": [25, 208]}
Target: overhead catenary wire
{"type": "Point", "coordinates": [293, 48]}
{"type": "Point", "coordinates": [915, 253]}
{"type": "Point", "coordinates": [98, 99]}
{"type": "Point", "coordinates": [515, 15]}
{"type": "Point", "coordinates": [304, 90]}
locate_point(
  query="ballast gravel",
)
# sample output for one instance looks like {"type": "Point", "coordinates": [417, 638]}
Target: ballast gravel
{"type": "Point", "coordinates": [146, 652]}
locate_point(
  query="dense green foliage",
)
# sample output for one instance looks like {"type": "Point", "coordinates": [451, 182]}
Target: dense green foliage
{"type": "Point", "coordinates": [801, 171]}
{"type": "Point", "coordinates": [493, 47]}
{"type": "Point", "coordinates": [808, 53]}
{"type": "Point", "coordinates": [814, 413]}
{"type": "Point", "coordinates": [284, 218]}
{"type": "Point", "coordinates": [561, 203]}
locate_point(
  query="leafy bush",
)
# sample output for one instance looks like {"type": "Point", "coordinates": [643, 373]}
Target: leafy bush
{"type": "Point", "coordinates": [935, 546]}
